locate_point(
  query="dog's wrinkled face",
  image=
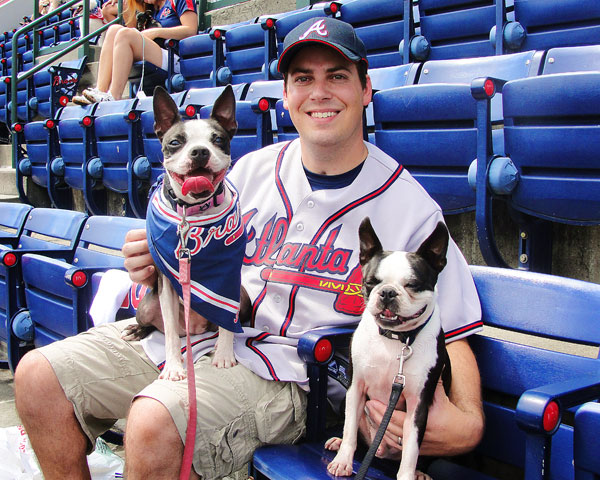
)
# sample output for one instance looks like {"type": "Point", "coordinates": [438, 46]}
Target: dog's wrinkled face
{"type": "Point", "coordinates": [398, 287]}
{"type": "Point", "coordinates": [196, 152]}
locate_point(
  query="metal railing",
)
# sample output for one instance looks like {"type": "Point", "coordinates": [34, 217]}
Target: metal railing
{"type": "Point", "coordinates": [16, 77]}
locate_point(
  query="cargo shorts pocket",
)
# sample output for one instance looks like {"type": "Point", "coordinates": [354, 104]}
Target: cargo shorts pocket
{"type": "Point", "coordinates": [281, 417]}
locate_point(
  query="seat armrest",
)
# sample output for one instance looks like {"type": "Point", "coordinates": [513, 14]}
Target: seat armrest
{"type": "Point", "coordinates": [318, 346]}
{"type": "Point", "coordinates": [539, 410]}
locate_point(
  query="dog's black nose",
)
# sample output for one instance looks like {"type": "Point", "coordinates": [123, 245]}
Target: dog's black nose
{"type": "Point", "coordinates": [388, 294]}
{"type": "Point", "coordinates": [200, 155]}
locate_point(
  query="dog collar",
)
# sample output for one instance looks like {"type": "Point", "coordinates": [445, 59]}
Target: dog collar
{"type": "Point", "coordinates": [404, 337]}
{"type": "Point", "coordinates": [214, 200]}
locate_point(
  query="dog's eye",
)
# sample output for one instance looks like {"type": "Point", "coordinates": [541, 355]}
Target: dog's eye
{"type": "Point", "coordinates": [412, 286]}
{"type": "Point", "coordinates": [174, 143]}
{"type": "Point", "coordinates": [218, 140]}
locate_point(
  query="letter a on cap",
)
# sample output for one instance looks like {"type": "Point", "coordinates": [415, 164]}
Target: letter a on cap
{"type": "Point", "coordinates": [318, 27]}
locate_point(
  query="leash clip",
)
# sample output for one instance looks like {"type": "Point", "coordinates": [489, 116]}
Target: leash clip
{"type": "Point", "coordinates": [182, 230]}
{"type": "Point", "coordinates": [400, 378]}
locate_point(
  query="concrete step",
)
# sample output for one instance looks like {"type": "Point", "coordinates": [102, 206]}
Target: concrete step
{"type": "Point", "coordinates": [5, 155]}
{"type": "Point", "coordinates": [8, 181]}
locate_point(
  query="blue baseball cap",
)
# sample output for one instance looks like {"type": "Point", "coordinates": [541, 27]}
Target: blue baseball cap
{"type": "Point", "coordinates": [323, 31]}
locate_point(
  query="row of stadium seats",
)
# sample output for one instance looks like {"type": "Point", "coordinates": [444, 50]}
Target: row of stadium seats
{"type": "Point", "coordinates": [466, 139]}
{"type": "Point", "coordinates": [394, 32]}
{"type": "Point", "coordinates": [52, 260]}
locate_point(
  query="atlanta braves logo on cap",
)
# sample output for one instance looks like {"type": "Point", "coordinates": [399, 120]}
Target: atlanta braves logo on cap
{"type": "Point", "coordinates": [318, 27]}
{"type": "Point", "coordinates": [326, 31]}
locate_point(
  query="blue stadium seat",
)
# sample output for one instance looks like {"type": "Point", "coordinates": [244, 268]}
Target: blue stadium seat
{"type": "Point", "coordinates": [431, 127]}
{"type": "Point", "coordinates": [50, 232]}
{"type": "Point", "coordinates": [380, 25]}
{"type": "Point", "coordinates": [586, 443]}
{"type": "Point", "coordinates": [249, 50]}
{"type": "Point", "coordinates": [110, 129]}
{"type": "Point", "coordinates": [544, 24]}
{"type": "Point", "coordinates": [253, 116]}
{"type": "Point", "coordinates": [453, 29]}
{"type": "Point", "coordinates": [58, 293]}
{"type": "Point", "coordinates": [547, 119]}
{"type": "Point", "coordinates": [201, 59]}
{"type": "Point", "coordinates": [12, 220]}
{"type": "Point", "coordinates": [527, 389]}
{"type": "Point", "coordinates": [78, 155]}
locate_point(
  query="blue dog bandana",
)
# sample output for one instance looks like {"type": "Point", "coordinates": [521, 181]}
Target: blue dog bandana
{"type": "Point", "coordinates": [217, 245]}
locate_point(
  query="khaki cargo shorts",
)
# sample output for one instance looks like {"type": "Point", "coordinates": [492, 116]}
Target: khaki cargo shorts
{"type": "Point", "coordinates": [238, 411]}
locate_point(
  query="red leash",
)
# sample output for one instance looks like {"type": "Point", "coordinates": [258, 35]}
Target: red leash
{"type": "Point", "coordinates": [184, 279]}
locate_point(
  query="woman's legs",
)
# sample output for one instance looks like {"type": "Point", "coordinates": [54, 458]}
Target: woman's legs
{"type": "Point", "coordinates": [129, 47]}
{"type": "Point", "coordinates": [105, 65]}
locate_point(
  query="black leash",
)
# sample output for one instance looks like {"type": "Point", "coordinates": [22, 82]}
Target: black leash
{"type": "Point", "coordinates": [397, 388]}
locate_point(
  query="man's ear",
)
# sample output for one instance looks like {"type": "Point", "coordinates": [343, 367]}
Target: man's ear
{"type": "Point", "coordinates": [224, 111]}
{"type": "Point", "coordinates": [434, 249]}
{"type": "Point", "coordinates": [369, 242]}
{"type": "Point", "coordinates": [166, 113]}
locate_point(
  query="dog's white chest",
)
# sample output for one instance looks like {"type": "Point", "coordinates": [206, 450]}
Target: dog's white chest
{"type": "Point", "coordinates": [376, 362]}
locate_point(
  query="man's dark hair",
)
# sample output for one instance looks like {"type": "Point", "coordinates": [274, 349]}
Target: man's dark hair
{"type": "Point", "coordinates": [361, 67]}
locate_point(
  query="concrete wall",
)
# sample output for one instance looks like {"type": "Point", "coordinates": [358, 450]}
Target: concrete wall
{"type": "Point", "coordinates": [12, 12]}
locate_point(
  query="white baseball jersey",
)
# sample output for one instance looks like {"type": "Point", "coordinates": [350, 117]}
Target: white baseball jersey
{"type": "Point", "coordinates": [301, 268]}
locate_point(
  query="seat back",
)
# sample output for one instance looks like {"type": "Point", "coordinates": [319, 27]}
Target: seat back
{"type": "Point", "coordinates": [456, 28]}
{"type": "Point", "coordinates": [586, 443]}
{"type": "Point", "coordinates": [110, 129]}
{"type": "Point", "coordinates": [549, 119]}
{"type": "Point", "coordinates": [249, 50]}
{"type": "Point", "coordinates": [200, 58]}
{"type": "Point", "coordinates": [556, 23]}
{"type": "Point", "coordinates": [380, 25]}
{"type": "Point", "coordinates": [12, 220]}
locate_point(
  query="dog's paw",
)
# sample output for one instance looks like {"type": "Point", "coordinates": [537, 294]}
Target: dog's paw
{"type": "Point", "coordinates": [416, 476]}
{"type": "Point", "coordinates": [422, 476]}
{"type": "Point", "coordinates": [223, 360]}
{"type": "Point", "coordinates": [333, 444]}
{"type": "Point", "coordinates": [340, 468]}
{"type": "Point", "coordinates": [136, 332]}
{"type": "Point", "coordinates": [174, 374]}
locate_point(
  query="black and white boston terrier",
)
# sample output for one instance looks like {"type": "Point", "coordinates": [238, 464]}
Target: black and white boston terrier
{"type": "Point", "coordinates": [400, 310]}
{"type": "Point", "coordinates": [196, 159]}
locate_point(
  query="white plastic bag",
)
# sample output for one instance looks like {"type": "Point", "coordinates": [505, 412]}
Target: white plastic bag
{"type": "Point", "coordinates": [19, 462]}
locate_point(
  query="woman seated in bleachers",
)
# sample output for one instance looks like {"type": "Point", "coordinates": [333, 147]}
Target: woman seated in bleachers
{"type": "Point", "coordinates": [123, 46]}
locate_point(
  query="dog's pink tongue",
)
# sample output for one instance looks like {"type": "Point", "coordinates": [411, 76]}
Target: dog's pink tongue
{"type": "Point", "coordinates": [197, 185]}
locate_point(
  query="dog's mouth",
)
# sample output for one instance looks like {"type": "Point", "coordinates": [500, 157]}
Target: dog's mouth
{"type": "Point", "coordinates": [388, 318]}
{"type": "Point", "coordinates": [199, 183]}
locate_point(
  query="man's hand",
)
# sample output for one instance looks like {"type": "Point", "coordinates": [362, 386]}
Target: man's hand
{"type": "Point", "coordinates": [138, 260]}
{"type": "Point", "coordinates": [455, 424]}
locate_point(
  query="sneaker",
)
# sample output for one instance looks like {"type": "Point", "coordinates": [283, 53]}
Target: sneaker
{"type": "Point", "coordinates": [80, 100]}
{"type": "Point", "coordinates": [94, 95]}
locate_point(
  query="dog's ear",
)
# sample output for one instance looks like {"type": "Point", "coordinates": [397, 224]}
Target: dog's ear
{"type": "Point", "coordinates": [166, 113]}
{"type": "Point", "coordinates": [369, 242]}
{"type": "Point", "coordinates": [434, 249]}
{"type": "Point", "coordinates": [224, 111]}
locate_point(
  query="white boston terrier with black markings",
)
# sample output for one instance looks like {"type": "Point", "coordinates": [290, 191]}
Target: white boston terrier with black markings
{"type": "Point", "coordinates": [196, 159]}
{"type": "Point", "coordinates": [401, 309]}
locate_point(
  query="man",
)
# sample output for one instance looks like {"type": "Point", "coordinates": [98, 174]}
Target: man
{"type": "Point", "coordinates": [302, 204]}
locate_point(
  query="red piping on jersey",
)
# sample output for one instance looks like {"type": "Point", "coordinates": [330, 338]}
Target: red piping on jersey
{"type": "Point", "coordinates": [323, 229]}
{"type": "Point", "coordinates": [284, 198]}
{"type": "Point", "coordinates": [262, 356]}
{"type": "Point", "coordinates": [183, 349]}
{"type": "Point", "coordinates": [464, 329]}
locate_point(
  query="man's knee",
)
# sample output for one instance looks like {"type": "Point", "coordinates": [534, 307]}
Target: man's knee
{"type": "Point", "coordinates": [161, 428]}
{"type": "Point", "coordinates": [35, 381]}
